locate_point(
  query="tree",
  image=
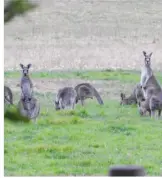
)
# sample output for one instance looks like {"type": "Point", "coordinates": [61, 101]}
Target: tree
{"type": "Point", "coordinates": [16, 7]}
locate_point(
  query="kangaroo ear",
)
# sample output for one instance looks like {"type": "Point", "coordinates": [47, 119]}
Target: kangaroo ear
{"type": "Point", "coordinates": [29, 65]}
{"type": "Point", "coordinates": [22, 66]}
{"type": "Point", "coordinates": [150, 54]}
{"type": "Point", "coordinates": [144, 53]}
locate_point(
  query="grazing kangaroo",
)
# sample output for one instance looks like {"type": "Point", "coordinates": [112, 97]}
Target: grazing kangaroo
{"type": "Point", "coordinates": [8, 96]}
{"type": "Point", "coordinates": [146, 72]}
{"type": "Point", "coordinates": [127, 100]}
{"type": "Point", "coordinates": [86, 90]}
{"type": "Point", "coordinates": [26, 83]}
{"type": "Point", "coordinates": [151, 105]}
{"type": "Point", "coordinates": [29, 107]}
{"type": "Point", "coordinates": [153, 94]}
{"type": "Point", "coordinates": [66, 98]}
{"type": "Point", "coordinates": [136, 95]}
{"type": "Point", "coordinates": [156, 104]}
{"type": "Point", "coordinates": [143, 107]}
{"type": "Point", "coordinates": [139, 93]}
{"type": "Point", "coordinates": [151, 87]}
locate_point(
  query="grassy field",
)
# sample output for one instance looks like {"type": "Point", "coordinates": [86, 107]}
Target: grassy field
{"type": "Point", "coordinates": [85, 141]}
{"type": "Point", "coordinates": [120, 75]}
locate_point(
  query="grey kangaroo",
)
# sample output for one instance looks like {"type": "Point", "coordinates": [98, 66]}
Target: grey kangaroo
{"type": "Point", "coordinates": [154, 98]}
{"type": "Point", "coordinates": [153, 94]}
{"type": "Point", "coordinates": [26, 83]}
{"type": "Point", "coordinates": [8, 96]}
{"type": "Point", "coordinates": [127, 100]}
{"type": "Point", "coordinates": [144, 107]}
{"type": "Point", "coordinates": [65, 98]}
{"type": "Point", "coordinates": [29, 107]}
{"type": "Point", "coordinates": [136, 96]}
{"type": "Point", "coordinates": [151, 87]}
{"type": "Point", "coordinates": [146, 72]}
{"type": "Point", "coordinates": [86, 90]}
{"type": "Point", "coordinates": [156, 104]}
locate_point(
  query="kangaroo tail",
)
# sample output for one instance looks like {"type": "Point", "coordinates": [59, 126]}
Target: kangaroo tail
{"type": "Point", "coordinates": [98, 97]}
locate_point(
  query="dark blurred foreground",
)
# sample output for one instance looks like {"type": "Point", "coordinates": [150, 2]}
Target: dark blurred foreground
{"type": "Point", "coordinates": [13, 8]}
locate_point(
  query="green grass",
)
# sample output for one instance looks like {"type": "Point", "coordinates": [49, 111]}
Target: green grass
{"type": "Point", "coordinates": [82, 142]}
{"type": "Point", "coordinates": [122, 75]}
{"type": "Point", "coordinates": [86, 141]}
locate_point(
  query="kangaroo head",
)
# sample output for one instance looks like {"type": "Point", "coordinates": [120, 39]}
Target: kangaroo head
{"type": "Point", "coordinates": [123, 99]}
{"type": "Point", "coordinates": [76, 100]}
{"type": "Point", "coordinates": [147, 58]}
{"type": "Point", "coordinates": [141, 111]}
{"type": "Point", "coordinates": [57, 105]}
{"type": "Point", "coordinates": [25, 69]}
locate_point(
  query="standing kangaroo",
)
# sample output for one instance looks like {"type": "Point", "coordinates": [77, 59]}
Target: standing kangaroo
{"type": "Point", "coordinates": [146, 72]}
{"type": "Point", "coordinates": [8, 96]}
{"type": "Point", "coordinates": [29, 107]}
{"type": "Point", "coordinates": [66, 98]}
{"type": "Point", "coordinates": [86, 90]}
{"type": "Point", "coordinates": [26, 83]}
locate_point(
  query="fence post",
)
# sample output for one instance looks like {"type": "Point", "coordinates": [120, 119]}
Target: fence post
{"type": "Point", "coordinates": [126, 170]}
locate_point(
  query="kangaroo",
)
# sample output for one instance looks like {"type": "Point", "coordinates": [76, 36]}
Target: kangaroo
{"type": "Point", "coordinates": [146, 72]}
{"type": "Point", "coordinates": [8, 96]}
{"type": "Point", "coordinates": [136, 95]}
{"type": "Point", "coordinates": [153, 93]}
{"type": "Point", "coordinates": [156, 104]}
{"type": "Point", "coordinates": [127, 100]}
{"type": "Point", "coordinates": [138, 92]}
{"type": "Point", "coordinates": [154, 96]}
{"type": "Point", "coordinates": [144, 107]}
{"type": "Point", "coordinates": [151, 87]}
{"type": "Point", "coordinates": [29, 107]}
{"type": "Point", "coordinates": [66, 98]}
{"type": "Point", "coordinates": [86, 90]}
{"type": "Point", "coordinates": [26, 83]}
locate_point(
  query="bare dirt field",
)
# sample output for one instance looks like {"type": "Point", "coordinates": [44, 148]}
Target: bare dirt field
{"type": "Point", "coordinates": [85, 34]}
{"type": "Point", "coordinates": [108, 89]}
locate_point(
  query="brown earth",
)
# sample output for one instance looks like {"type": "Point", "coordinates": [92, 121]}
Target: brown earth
{"type": "Point", "coordinates": [85, 34]}
{"type": "Point", "coordinates": [108, 89]}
